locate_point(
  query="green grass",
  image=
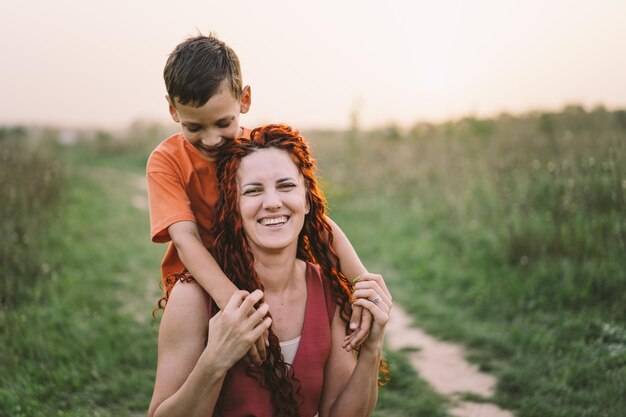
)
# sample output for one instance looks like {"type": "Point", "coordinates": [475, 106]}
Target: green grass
{"type": "Point", "coordinates": [81, 349]}
{"type": "Point", "coordinates": [506, 235]}
{"type": "Point", "coordinates": [87, 345]}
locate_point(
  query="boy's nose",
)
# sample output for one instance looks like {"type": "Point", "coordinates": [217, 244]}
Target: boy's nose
{"type": "Point", "coordinates": [232, 133]}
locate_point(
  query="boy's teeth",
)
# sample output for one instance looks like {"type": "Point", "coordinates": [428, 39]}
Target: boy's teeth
{"type": "Point", "coordinates": [275, 220]}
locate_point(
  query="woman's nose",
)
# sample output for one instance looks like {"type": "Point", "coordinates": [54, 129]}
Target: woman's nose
{"type": "Point", "coordinates": [272, 201]}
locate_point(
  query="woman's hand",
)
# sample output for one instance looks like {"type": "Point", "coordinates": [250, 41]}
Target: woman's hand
{"type": "Point", "coordinates": [371, 293]}
{"type": "Point", "coordinates": [234, 330]}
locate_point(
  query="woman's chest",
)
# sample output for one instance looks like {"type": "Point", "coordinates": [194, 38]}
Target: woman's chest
{"type": "Point", "coordinates": [287, 316]}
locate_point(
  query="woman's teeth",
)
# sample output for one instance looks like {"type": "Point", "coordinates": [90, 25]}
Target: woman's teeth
{"type": "Point", "coordinates": [273, 220]}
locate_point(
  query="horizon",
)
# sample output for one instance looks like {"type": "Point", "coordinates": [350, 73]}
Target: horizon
{"type": "Point", "coordinates": [171, 126]}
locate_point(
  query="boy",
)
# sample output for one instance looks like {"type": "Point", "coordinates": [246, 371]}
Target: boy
{"type": "Point", "coordinates": [205, 95]}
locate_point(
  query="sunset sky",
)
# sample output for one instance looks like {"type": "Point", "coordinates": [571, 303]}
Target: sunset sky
{"type": "Point", "coordinates": [310, 64]}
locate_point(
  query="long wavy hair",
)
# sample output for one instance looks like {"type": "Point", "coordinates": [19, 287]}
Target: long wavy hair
{"type": "Point", "coordinates": [232, 252]}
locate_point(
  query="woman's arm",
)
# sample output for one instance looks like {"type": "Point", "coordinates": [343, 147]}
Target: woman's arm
{"type": "Point", "coordinates": [190, 375]}
{"type": "Point", "coordinates": [351, 384]}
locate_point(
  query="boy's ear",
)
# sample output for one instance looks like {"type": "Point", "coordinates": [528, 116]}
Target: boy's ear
{"type": "Point", "coordinates": [172, 109]}
{"type": "Point", "coordinates": [246, 99]}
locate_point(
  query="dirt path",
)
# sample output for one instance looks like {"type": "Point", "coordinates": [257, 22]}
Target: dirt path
{"type": "Point", "coordinates": [443, 366]}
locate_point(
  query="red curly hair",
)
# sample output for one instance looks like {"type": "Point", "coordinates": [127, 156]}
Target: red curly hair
{"type": "Point", "coordinates": [231, 251]}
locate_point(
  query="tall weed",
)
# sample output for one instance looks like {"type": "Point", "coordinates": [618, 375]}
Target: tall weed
{"type": "Point", "coordinates": [31, 187]}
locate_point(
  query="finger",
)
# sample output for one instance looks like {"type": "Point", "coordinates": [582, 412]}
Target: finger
{"type": "Point", "coordinates": [263, 327]}
{"type": "Point", "coordinates": [364, 290]}
{"type": "Point", "coordinates": [378, 279]}
{"type": "Point", "coordinates": [359, 336]}
{"type": "Point", "coordinates": [369, 293]}
{"type": "Point", "coordinates": [253, 356]}
{"type": "Point", "coordinates": [349, 346]}
{"type": "Point", "coordinates": [260, 347]}
{"type": "Point", "coordinates": [235, 300]}
{"type": "Point", "coordinates": [366, 326]}
{"type": "Point", "coordinates": [355, 318]}
{"type": "Point", "coordinates": [380, 316]}
{"type": "Point", "coordinates": [248, 303]}
{"type": "Point", "coordinates": [254, 320]}
{"type": "Point", "coordinates": [346, 341]}
{"type": "Point", "coordinates": [256, 316]}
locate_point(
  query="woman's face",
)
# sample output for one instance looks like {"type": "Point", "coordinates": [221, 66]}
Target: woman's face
{"type": "Point", "coordinates": [272, 199]}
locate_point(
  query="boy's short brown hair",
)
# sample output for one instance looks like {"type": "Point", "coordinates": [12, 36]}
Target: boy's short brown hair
{"type": "Point", "coordinates": [197, 67]}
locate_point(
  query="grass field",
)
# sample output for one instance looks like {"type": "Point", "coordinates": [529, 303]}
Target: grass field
{"type": "Point", "coordinates": [86, 345]}
{"type": "Point", "coordinates": [504, 234]}
{"type": "Point", "coordinates": [507, 235]}
{"type": "Point", "coordinates": [79, 348]}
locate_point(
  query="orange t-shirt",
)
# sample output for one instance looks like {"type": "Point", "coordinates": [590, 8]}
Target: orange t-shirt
{"type": "Point", "coordinates": [182, 186]}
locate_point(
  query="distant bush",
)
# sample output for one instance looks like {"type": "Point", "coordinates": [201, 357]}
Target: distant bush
{"type": "Point", "coordinates": [29, 195]}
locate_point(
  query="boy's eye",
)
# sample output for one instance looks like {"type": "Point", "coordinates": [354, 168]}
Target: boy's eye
{"type": "Point", "coordinates": [225, 124]}
{"type": "Point", "coordinates": [193, 129]}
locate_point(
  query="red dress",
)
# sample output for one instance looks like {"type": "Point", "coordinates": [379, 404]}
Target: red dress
{"type": "Point", "coordinates": [241, 394]}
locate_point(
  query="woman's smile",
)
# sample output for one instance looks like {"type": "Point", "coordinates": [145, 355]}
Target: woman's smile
{"type": "Point", "coordinates": [274, 221]}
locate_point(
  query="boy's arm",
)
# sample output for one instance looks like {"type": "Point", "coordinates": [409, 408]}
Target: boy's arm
{"type": "Point", "coordinates": [206, 271]}
{"type": "Point", "coordinates": [351, 265]}
{"type": "Point", "coordinates": [200, 263]}
{"type": "Point", "coordinates": [352, 268]}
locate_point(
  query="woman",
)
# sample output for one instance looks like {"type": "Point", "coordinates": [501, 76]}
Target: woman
{"type": "Point", "coordinates": [270, 231]}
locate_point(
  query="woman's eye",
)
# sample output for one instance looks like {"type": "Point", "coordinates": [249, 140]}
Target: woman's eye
{"type": "Point", "coordinates": [286, 186]}
{"type": "Point", "coordinates": [251, 191]}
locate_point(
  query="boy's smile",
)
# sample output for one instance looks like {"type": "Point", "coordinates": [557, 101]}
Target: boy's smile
{"type": "Point", "coordinates": [207, 127]}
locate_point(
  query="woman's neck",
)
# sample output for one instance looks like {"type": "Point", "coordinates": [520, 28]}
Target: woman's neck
{"type": "Point", "coordinates": [277, 271]}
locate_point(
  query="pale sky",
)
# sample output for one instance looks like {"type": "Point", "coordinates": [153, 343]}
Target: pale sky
{"type": "Point", "coordinates": [96, 63]}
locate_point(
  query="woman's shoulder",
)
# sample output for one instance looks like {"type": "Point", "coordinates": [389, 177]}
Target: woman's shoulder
{"type": "Point", "coordinates": [187, 298]}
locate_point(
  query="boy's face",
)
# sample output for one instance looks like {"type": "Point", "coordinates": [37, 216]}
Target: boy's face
{"type": "Point", "coordinates": [209, 126]}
